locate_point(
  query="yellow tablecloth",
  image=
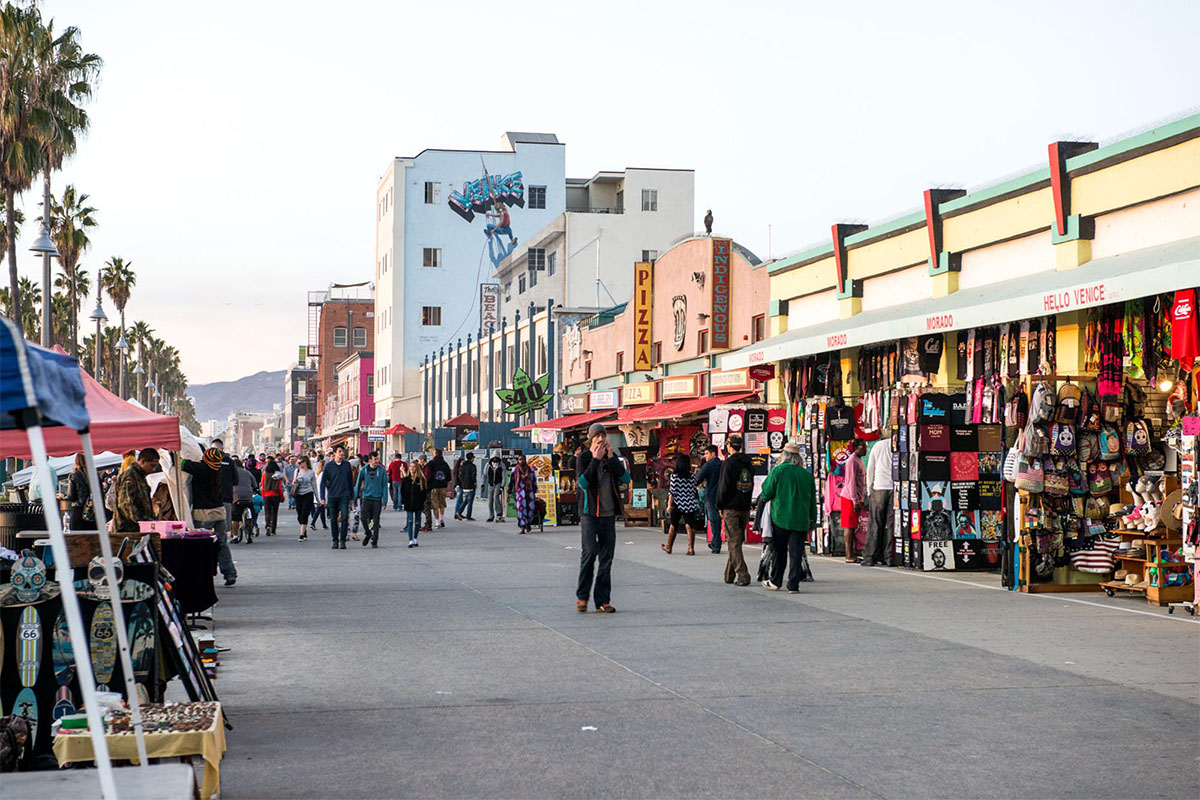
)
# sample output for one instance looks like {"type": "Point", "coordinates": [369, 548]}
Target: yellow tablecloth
{"type": "Point", "coordinates": [210, 744]}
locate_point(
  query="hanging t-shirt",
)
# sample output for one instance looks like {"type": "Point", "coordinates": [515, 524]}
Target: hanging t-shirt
{"type": "Point", "coordinates": [1032, 354]}
{"type": "Point", "coordinates": [962, 355]}
{"type": "Point", "coordinates": [911, 358]}
{"type": "Point", "coordinates": [1012, 350]}
{"type": "Point", "coordinates": [930, 348]}
{"type": "Point", "coordinates": [935, 438]}
{"type": "Point", "coordinates": [756, 420]}
{"type": "Point", "coordinates": [935, 407]}
{"type": "Point", "coordinates": [1185, 339]}
{"type": "Point", "coordinates": [839, 424]}
{"type": "Point", "coordinates": [963, 438]}
{"type": "Point", "coordinates": [958, 408]}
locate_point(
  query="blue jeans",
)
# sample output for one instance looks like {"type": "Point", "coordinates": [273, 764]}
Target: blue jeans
{"type": "Point", "coordinates": [395, 487]}
{"type": "Point", "coordinates": [339, 517]}
{"type": "Point", "coordinates": [714, 522]}
{"type": "Point", "coordinates": [599, 543]}
{"type": "Point", "coordinates": [413, 524]}
{"type": "Point", "coordinates": [466, 499]}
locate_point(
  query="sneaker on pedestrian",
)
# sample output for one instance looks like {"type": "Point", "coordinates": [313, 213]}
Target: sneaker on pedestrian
{"type": "Point", "coordinates": [411, 543]}
{"type": "Point", "coordinates": [374, 544]}
{"type": "Point", "coordinates": [231, 581]}
{"type": "Point", "coordinates": [793, 591]}
{"type": "Point", "coordinates": [343, 545]}
{"type": "Point", "coordinates": [335, 547]}
{"type": "Point", "coordinates": [491, 519]}
{"type": "Point", "coordinates": [770, 586]}
{"type": "Point", "coordinates": [441, 524]}
{"type": "Point", "coordinates": [366, 540]}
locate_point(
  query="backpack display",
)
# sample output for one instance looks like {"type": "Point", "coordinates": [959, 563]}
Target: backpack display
{"type": "Point", "coordinates": [1076, 480]}
{"type": "Point", "coordinates": [1096, 508]}
{"type": "Point", "coordinates": [1099, 480]}
{"type": "Point", "coordinates": [1137, 437]}
{"type": "Point", "coordinates": [1089, 412]}
{"type": "Point", "coordinates": [1041, 405]}
{"type": "Point", "coordinates": [1069, 400]}
{"type": "Point", "coordinates": [1016, 411]}
{"type": "Point", "coordinates": [1055, 479]}
{"type": "Point", "coordinates": [1110, 443]}
{"type": "Point", "coordinates": [1036, 440]}
{"type": "Point", "coordinates": [1031, 477]}
{"type": "Point", "coordinates": [1062, 439]}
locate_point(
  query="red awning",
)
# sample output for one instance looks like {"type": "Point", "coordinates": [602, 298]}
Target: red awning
{"type": "Point", "coordinates": [461, 421]}
{"type": "Point", "coordinates": [398, 428]}
{"type": "Point", "coordinates": [116, 426]}
{"type": "Point", "coordinates": [682, 408]}
{"type": "Point", "coordinates": [569, 421]}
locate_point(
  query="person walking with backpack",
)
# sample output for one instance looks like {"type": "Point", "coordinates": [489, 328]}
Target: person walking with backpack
{"type": "Point", "coordinates": [413, 496]}
{"type": "Point", "coordinates": [337, 486]}
{"type": "Point", "coordinates": [371, 489]}
{"type": "Point", "coordinates": [466, 481]}
{"type": "Point", "coordinates": [272, 493]}
{"type": "Point", "coordinates": [792, 493]}
{"type": "Point", "coordinates": [734, 494]}
{"type": "Point", "coordinates": [601, 478]}
{"type": "Point", "coordinates": [493, 483]}
{"type": "Point", "coordinates": [304, 490]}
{"type": "Point", "coordinates": [437, 473]}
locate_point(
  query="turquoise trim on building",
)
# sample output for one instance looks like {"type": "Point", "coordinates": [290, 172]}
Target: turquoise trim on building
{"type": "Point", "coordinates": [603, 318]}
{"type": "Point", "coordinates": [914, 220]}
{"type": "Point", "coordinates": [611, 382]}
{"type": "Point", "coordinates": [774, 308]}
{"type": "Point", "coordinates": [1077, 228]}
{"type": "Point", "coordinates": [686, 367]}
{"type": "Point", "coordinates": [1152, 136]}
{"type": "Point", "coordinates": [947, 262]}
{"type": "Point", "coordinates": [818, 252]}
{"type": "Point", "coordinates": [1024, 183]}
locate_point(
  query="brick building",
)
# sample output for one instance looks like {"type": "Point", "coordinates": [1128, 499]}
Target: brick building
{"type": "Point", "coordinates": [341, 321]}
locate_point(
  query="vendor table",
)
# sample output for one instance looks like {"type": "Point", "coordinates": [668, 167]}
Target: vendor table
{"type": "Point", "coordinates": [193, 562]}
{"type": "Point", "coordinates": [76, 746]}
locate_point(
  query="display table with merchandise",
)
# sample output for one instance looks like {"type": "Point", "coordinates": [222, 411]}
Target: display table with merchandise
{"type": "Point", "coordinates": [192, 560]}
{"type": "Point", "coordinates": [179, 730]}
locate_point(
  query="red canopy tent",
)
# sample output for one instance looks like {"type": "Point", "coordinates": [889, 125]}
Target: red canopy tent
{"type": "Point", "coordinates": [461, 421]}
{"type": "Point", "coordinates": [115, 425]}
{"type": "Point", "coordinates": [398, 428]}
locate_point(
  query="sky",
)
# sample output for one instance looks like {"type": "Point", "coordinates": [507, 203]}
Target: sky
{"type": "Point", "coordinates": [235, 147]}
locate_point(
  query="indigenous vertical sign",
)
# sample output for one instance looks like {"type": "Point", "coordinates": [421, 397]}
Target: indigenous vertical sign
{"type": "Point", "coordinates": [719, 325]}
{"type": "Point", "coordinates": [643, 294]}
{"type": "Point", "coordinates": [489, 307]}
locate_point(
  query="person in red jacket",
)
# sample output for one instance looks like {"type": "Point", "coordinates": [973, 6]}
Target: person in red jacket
{"type": "Point", "coordinates": [271, 489]}
{"type": "Point", "coordinates": [397, 470]}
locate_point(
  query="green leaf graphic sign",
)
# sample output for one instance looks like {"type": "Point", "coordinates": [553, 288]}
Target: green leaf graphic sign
{"type": "Point", "coordinates": [525, 395]}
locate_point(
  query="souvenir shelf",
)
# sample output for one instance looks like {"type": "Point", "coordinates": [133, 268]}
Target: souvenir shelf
{"type": "Point", "coordinates": [1153, 546]}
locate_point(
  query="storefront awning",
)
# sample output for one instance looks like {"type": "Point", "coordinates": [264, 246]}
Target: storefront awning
{"type": "Point", "coordinates": [1115, 279]}
{"type": "Point", "coordinates": [569, 421]}
{"type": "Point", "coordinates": [672, 409]}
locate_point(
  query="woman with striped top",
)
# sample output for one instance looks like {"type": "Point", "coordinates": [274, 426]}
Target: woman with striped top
{"type": "Point", "coordinates": [683, 504]}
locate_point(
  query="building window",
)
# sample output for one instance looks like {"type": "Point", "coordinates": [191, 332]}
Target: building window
{"type": "Point", "coordinates": [541, 357]}
{"type": "Point", "coordinates": [360, 337]}
{"type": "Point", "coordinates": [649, 255]}
{"type": "Point", "coordinates": [300, 420]}
{"type": "Point", "coordinates": [760, 327]}
{"type": "Point", "coordinates": [507, 291]}
{"type": "Point", "coordinates": [537, 259]}
{"type": "Point", "coordinates": [649, 199]}
{"type": "Point", "coordinates": [587, 370]}
{"type": "Point", "coordinates": [656, 353]}
{"type": "Point", "coordinates": [537, 196]}
{"type": "Point", "coordinates": [431, 315]}
{"type": "Point", "coordinates": [371, 385]}
{"type": "Point", "coordinates": [620, 362]}
{"type": "Point", "coordinates": [431, 257]}
{"type": "Point", "coordinates": [339, 337]}
{"type": "Point", "coordinates": [551, 259]}
{"type": "Point", "coordinates": [521, 285]}
{"type": "Point", "coordinates": [621, 201]}
{"type": "Point", "coordinates": [433, 193]}
{"type": "Point", "coordinates": [702, 342]}
{"type": "Point", "coordinates": [301, 388]}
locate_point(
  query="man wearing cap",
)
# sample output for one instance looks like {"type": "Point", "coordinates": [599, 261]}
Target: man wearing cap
{"type": "Point", "coordinates": [601, 478]}
{"type": "Point", "coordinates": [733, 499]}
{"type": "Point", "coordinates": [879, 503]}
{"type": "Point", "coordinates": [792, 493]}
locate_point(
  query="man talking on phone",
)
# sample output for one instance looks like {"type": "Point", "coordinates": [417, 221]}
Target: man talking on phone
{"type": "Point", "coordinates": [601, 479]}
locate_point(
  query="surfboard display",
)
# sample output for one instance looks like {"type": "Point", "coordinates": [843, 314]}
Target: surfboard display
{"type": "Point", "coordinates": [141, 644]}
{"type": "Point", "coordinates": [103, 645]}
{"type": "Point", "coordinates": [64, 653]}
{"type": "Point", "coordinates": [29, 660]}
{"type": "Point", "coordinates": [64, 703]}
{"type": "Point", "coordinates": [26, 706]}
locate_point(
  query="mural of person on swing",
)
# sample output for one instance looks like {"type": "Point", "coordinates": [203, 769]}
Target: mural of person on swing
{"type": "Point", "coordinates": [499, 222]}
{"type": "Point", "coordinates": [492, 196]}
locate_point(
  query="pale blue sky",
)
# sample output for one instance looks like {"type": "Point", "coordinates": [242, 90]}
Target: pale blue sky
{"type": "Point", "coordinates": [236, 146]}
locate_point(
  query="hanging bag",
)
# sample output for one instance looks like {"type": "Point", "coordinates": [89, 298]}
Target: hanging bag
{"type": "Point", "coordinates": [1031, 476]}
{"type": "Point", "coordinates": [1110, 443]}
{"type": "Point", "coordinates": [1137, 437]}
{"type": "Point", "coordinates": [1062, 439]}
{"type": "Point", "coordinates": [1056, 481]}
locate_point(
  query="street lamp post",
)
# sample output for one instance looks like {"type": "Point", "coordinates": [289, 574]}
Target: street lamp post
{"type": "Point", "coordinates": [45, 245]}
{"type": "Point", "coordinates": [138, 372]}
{"type": "Point", "coordinates": [99, 316]}
{"type": "Point", "coordinates": [123, 354]}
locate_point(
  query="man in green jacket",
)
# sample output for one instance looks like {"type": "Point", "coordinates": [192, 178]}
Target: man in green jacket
{"type": "Point", "coordinates": [792, 493]}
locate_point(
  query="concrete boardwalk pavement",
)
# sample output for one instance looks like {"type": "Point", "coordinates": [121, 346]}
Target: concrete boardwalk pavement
{"type": "Point", "coordinates": [461, 669]}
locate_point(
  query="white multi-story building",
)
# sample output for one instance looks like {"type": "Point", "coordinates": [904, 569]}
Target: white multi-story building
{"type": "Point", "coordinates": [584, 258]}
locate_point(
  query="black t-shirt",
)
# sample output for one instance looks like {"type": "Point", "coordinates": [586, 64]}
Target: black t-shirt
{"type": "Point", "coordinates": [958, 408]}
{"type": "Point", "coordinates": [935, 407]}
{"type": "Point", "coordinates": [839, 423]}
{"type": "Point", "coordinates": [930, 351]}
{"type": "Point", "coordinates": [962, 355]}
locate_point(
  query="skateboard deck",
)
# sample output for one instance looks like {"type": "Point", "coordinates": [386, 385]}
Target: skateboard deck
{"type": "Point", "coordinates": [103, 645]}
{"type": "Point", "coordinates": [64, 653]}
{"type": "Point", "coordinates": [141, 643]}
{"type": "Point", "coordinates": [29, 633]}
{"type": "Point", "coordinates": [63, 702]}
{"type": "Point", "coordinates": [26, 706]}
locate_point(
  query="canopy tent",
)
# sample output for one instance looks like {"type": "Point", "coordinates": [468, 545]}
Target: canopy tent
{"type": "Point", "coordinates": [62, 466]}
{"type": "Point", "coordinates": [673, 409]}
{"type": "Point", "coordinates": [569, 421]}
{"type": "Point", "coordinates": [398, 429]}
{"type": "Point", "coordinates": [40, 387]}
{"type": "Point", "coordinates": [461, 421]}
{"type": "Point", "coordinates": [115, 424]}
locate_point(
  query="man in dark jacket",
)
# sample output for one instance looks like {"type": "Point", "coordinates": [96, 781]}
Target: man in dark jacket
{"type": "Point", "coordinates": [466, 479]}
{"type": "Point", "coordinates": [601, 477]}
{"type": "Point", "coordinates": [733, 499]}
{"type": "Point", "coordinates": [709, 475]}
{"type": "Point", "coordinates": [337, 487]}
{"type": "Point", "coordinates": [437, 475]}
{"type": "Point", "coordinates": [228, 477]}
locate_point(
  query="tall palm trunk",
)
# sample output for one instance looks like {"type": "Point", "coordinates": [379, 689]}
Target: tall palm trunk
{"type": "Point", "coordinates": [14, 290]}
{"type": "Point", "coordinates": [74, 315]}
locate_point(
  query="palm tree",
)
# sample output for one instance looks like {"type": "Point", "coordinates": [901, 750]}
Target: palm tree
{"type": "Point", "coordinates": [118, 279]}
{"type": "Point", "coordinates": [28, 314]}
{"type": "Point", "coordinates": [70, 221]}
{"type": "Point", "coordinates": [60, 318]}
{"type": "Point", "coordinates": [19, 220]}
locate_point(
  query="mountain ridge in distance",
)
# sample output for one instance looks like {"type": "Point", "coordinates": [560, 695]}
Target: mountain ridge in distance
{"type": "Point", "coordinates": [257, 392]}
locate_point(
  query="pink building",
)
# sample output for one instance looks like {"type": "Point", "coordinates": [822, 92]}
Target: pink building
{"type": "Point", "coordinates": [350, 409]}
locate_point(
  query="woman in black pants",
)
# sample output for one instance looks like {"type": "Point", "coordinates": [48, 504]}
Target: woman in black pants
{"type": "Point", "coordinates": [304, 490]}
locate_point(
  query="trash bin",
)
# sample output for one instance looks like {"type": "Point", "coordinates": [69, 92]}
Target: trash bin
{"type": "Point", "coordinates": [17, 517]}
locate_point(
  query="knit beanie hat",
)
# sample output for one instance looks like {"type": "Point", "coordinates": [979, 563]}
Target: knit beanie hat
{"type": "Point", "coordinates": [597, 429]}
{"type": "Point", "coordinates": [212, 458]}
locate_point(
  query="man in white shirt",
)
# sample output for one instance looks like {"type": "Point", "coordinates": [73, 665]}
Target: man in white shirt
{"type": "Point", "coordinates": [879, 502]}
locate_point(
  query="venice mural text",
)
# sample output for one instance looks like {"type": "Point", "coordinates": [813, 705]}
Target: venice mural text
{"type": "Point", "coordinates": [481, 194]}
